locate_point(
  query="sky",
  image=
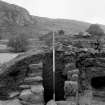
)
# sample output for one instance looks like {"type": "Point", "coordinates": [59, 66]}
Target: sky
{"type": "Point", "coordinates": [92, 11]}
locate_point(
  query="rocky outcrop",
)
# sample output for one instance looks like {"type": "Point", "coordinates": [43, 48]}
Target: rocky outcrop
{"type": "Point", "coordinates": [15, 20]}
{"type": "Point", "coordinates": [12, 14]}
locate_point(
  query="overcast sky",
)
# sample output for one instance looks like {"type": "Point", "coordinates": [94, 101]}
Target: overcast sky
{"type": "Point", "coordinates": [84, 10]}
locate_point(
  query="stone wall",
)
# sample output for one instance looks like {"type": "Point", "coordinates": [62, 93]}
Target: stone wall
{"type": "Point", "coordinates": [22, 78]}
{"type": "Point", "coordinates": [33, 89]}
{"type": "Point", "coordinates": [71, 85]}
{"type": "Point", "coordinates": [92, 73]}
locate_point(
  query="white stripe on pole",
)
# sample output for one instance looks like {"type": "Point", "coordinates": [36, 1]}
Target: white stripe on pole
{"type": "Point", "coordinates": [53, 43]}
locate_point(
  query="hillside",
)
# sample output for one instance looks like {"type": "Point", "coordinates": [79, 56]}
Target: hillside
{"type": "Point", "coordinates": [15, 20]}
{"type": "Point", "coordinates": [70, 26]}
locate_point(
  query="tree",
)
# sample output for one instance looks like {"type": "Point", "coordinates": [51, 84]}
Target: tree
{"type": "Point", "coordinates": [95, 29]}
{"type": "Point", "coordinates": [61, 32]}
{"type": "Point", "coordinates": [98, 45]}
{"type": "Point", "coordinates": [18, 43]}
{"type": "Point", "coordinates": [78, 44]}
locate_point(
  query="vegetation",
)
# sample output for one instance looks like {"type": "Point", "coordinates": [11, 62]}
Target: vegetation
{"type": "Point", "coordinates": [95, 29]}
{"type": "Point", "coordinates": [98, 45]}
{"type": "Point", "coordinates": [18, 43]}
{"type": "Point", "coordinates": [61, 32]}
{"type": "Point", "coordinates": [78, 44]}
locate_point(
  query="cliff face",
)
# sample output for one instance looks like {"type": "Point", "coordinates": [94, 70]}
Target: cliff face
{"type": "Point", "coordinates": [13, 14]}
{"type": "Point", "coordinates": [15, 20]}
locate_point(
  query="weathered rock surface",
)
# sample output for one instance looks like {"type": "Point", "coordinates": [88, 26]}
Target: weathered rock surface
{"type": "Point", "coordinates": [37, 89]}
{"type": "Point", "coordinates": [29, 96]}
{"type": "Point", "coordinates": [71, 73]}
{"type": "Point", "coordinates": [11, 102]}
{"type": "Point", "coordinates": [51, 102]}
{"type": "Point", "coordinates": [15, 20]}
{"type": "Point", "coordinates": [14, 74]}
{"type": "Point", "coordinates": [36, 67]}
{"type": "Point", "coordinates": [32, 79]}
{"type": "Point", "coordinates": [66, 103]}
{"type": "Point", "coordinates": [70, 88]}
{"type": "Point", "coordinates": [92, 73]}
{"type": "Point", "coordinates": [14, 14]}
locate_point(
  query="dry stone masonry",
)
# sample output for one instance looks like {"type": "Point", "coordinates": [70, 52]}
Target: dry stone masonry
{"type": "Point", "coordinates": [85, 75]}
{"type": "Point", "coordinates": [33, 94]}
{"type": "Point", "coordinates": [71, 85]}
{"type": "Point", "coordinates": [92, 74]}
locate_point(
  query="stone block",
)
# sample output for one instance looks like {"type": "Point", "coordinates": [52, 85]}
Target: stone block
{"type": "Point", "coordinates": [35, 74]}
{"type": "Point", "coordinates": [29, 103]}
{"type": "Point", "coordinates": [25, 86]}
{"type": "Point", "coordinates": [87, 98]}
{"type": "Point", "coordinates": [31, 79]}
{"type": "Point", "coordinates": [28, 96]}
{"type": "Point", "coordinates": [74, 77]}
{"type": "Point", "coordinates": [35, 66]}
{"type": "Point", "coordinates": [70, 88]}
{"type": "Point", "coordinates": [51, 102]}
{"type": "Point", "coordinates": [37, 89]}
{"type": "Point", "coordinates": [70, 73]}
{"type": "Point", "coordinates": [14, 94]}
{"type": "Point", "coordinates": [66, 103]}
{"type": "Point", "coordinates": [68, 67]}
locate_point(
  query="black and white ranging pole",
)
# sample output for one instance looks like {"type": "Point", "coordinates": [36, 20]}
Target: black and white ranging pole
{"type": "Point", "coordinates": [53, 43]}
{"type": "Point", "coordinates": [77, 94]}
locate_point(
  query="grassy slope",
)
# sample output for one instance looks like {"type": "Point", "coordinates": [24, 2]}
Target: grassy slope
{"type": "Point", "coordinates": [70, 26]}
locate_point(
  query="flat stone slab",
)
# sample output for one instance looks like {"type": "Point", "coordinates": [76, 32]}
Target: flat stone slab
{"type": "Point", "coordinates": [35, 74]}
{"type": "Point", "coordinates": [51, 102]}
{"type": "Point", "coordinates": [31, 79]}
{"type": "Point", "coordinates": [10, 102]}
{"type": "Point", "coordinates": [66, 103]}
